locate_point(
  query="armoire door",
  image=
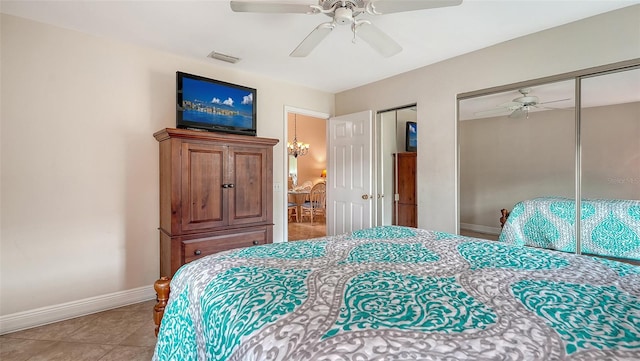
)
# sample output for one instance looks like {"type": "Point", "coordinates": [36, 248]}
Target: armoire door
{"type": "Point", "coordinates": [204, 200]}
{"type": "Point", "coordinates": [250, 197]}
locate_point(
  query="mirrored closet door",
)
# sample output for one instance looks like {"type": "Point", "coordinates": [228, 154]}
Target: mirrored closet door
{"type": "Point", "coordinates": [396, 134]}
{"type": "Point", "coordinates": [514, 146]}
{"type": "Point", "coordinates": [561, 159]}
{"type": "Point", "coordinates": [610, 164]}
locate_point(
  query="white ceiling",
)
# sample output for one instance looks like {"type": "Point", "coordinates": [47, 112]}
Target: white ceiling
{"type": "Point", "coordinates": [263, 41]}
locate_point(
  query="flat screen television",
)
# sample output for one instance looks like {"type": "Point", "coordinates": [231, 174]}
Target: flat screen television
{"type": "Point", "coordinates": [214, 105]}
{"type": "Point", "coordinates": [411, 137]}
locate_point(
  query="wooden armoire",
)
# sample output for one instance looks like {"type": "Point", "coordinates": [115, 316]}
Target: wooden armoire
{"type": "Point", "coordinates": [216, 193]}
{"type": "Point", "coordinates": [405, 204]}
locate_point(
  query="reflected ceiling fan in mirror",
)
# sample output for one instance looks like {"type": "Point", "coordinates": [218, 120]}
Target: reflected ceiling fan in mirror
{"type": "Point", "coordinates": [520, 106]}
{"type": "Point", "coordinates": [344, 12]}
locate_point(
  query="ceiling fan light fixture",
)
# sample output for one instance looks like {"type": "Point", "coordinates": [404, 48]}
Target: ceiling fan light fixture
{"type": "Point", "coordinates": [223, 57]}
{"type": "Point", "coordinates": [343, 16]}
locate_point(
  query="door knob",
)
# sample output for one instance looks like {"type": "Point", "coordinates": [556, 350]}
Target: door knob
{"type": "Point", "coordinates": [366, 196]}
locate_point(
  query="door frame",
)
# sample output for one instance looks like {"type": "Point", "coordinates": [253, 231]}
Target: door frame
{"type": "Point", "coordinates": [285, 156]}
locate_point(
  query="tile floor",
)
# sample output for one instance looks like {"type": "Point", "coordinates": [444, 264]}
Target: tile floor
{"type": "Point", "coordinates": [304, 230]}
{"type": "Point", "coordinates": [124, 334]}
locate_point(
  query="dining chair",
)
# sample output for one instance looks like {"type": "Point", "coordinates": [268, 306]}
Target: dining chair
{"type": "Point", "coordinates": [292, 210]}
{"type": "Point", "coordinates": [317, 202]}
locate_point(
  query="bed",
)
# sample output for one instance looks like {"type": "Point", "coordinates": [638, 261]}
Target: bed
{"type": "Point", "coordinates": [398, 293]}
{"type": "Point", "coordinates": [609, 228]}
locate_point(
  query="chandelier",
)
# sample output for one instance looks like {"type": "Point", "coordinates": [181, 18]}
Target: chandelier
{"type": "Point", "coordinates": [296, 148]}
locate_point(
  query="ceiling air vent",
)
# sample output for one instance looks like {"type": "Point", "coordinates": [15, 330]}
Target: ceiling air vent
{"type": "Point", "coordinates": [223, 57]}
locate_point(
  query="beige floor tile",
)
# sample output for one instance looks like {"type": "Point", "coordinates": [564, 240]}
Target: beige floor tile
{"type": "Point", "coordinates": [69, 351]}
{"type": "Point", "coordinates": [110, 327]}
{"type": "Point", "coordinates": [19, 350]}
{"type": "Point", "coordinates": [124, 333]}
{"type": "Point", "coordinates": [142, 307]}
{"type": "Point", "coordinates": [58, 331]}
{"type": "Point", "coordinates": [129, 353]}
{"type": "Point", "coordinates": [304, 230]}
{"type": "Point", "coordinates": [144, 336]}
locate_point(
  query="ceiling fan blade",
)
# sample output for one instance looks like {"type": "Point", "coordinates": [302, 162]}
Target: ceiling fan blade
{"type": "Point", "coordinates": [377, 39]}
{"type": "Point", "coordinates": [519, 113]}
{"type": "Point", "coordinates": [492, 111]}
{"type": "Point", "coordinates": [510, 105]}
{"type": "Point", "coordinates": [550, 108]}
{"type": "Point", "coordinates": [396, 6]}
{"type": "Point", "coordinates": [312, 40]}
{"type": "Point", "coordinates": [555, 101]}
{"type": "Point", "coordinates": [271, 7]}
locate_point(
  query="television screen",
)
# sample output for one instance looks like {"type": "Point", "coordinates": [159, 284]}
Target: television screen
{"type": "Point", "coordinates": [411, 137]}
{"type": "Point", "coordinates": [213, 105]}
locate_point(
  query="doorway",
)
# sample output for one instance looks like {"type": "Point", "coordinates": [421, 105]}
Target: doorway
{"type": "Point", "coordinates": [305, 166]}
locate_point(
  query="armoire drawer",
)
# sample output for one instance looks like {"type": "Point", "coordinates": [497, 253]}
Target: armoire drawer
{"type": "Point", "coordinates": [197, 248]}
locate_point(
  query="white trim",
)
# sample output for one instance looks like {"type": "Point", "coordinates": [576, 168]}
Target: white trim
{"type": "Point", "coordinates": [64, 311]}
{"type": "Point", "coordinates": [480, 228]}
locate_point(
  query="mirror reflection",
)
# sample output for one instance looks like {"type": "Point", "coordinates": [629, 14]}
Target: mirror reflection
{"type": "Point", "coordinates": [561, 179]}
{"type": "Point", "coordinates": [610, 165]}
{"type": "Point", "coordinates": [515, 146]}
{"type": "Point", "coordinates": [397, 139]}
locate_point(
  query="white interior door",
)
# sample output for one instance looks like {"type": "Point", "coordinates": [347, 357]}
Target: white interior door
{"type": "Point", "coordinates": [350, 200]}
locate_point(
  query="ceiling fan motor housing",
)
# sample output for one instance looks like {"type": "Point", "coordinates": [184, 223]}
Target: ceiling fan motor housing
{"type": "Point", "coordinates": [343, 16]}
{"type": "Point", "coordinates": [527, 100]}
{"type": "Point", "coordinates": [345, 10]}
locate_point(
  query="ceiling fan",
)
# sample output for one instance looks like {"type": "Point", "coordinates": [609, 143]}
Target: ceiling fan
{"type": "Point", "coordinates": [344, 12]}
{"type": "Point", "coordinates": [520, 106]}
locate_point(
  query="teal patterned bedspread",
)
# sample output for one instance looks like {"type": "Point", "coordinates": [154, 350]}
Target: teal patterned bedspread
{"type": "Point", "coordinates": [396, 293]}
{"type": "Point", "coordinates": [608, 227]}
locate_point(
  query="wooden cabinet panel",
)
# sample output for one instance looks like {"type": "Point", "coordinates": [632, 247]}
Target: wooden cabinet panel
{"type": "Point", "coordinates": [204, 201]}
{"type": "Point", "coordinates": [199, 248]}
{"type": "Point", "coordinates": [251, 185]}
{"type": "Point", "coordinates": [407, 178]}
{"type": "Point", "coordinates": [216, 193]}
{"type": "Point", "coordinates": [407, 215]}
{"type": "Point", "coordinates": [406, 205]}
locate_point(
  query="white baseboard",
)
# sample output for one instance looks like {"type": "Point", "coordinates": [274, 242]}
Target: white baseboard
{"type": "Point", "coordinates": [45, 315]}
{"type": "Point", "coordinates": [480, 228]}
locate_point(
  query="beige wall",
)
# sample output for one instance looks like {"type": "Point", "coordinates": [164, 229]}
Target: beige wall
{"type": "Point", "coordinates": [610, 145]}
{"type": "Point", "coordinates": [504, 160]}
{"type": "Point", "coordinates": [599, 40]}
{"type": "Point", "coordinates": [312, 131]}
{"type": "Point", "coordinates": [79, 206]}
